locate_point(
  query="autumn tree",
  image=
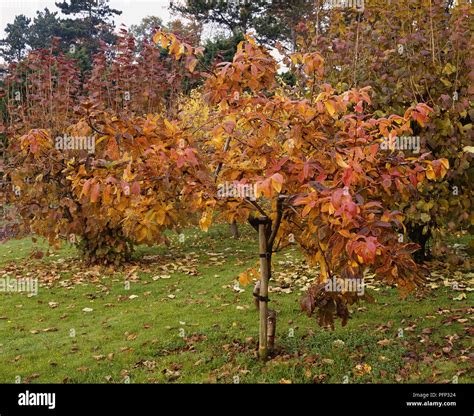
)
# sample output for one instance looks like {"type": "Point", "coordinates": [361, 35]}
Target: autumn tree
{"type": "Point", "coordinates": [80, 159]}
{"type": "Point", "coordinates": [307, 167]}
{"type": "Point", "coordinates": [310, 159]}
{"type": "Point", "coordinates": [409, 53]}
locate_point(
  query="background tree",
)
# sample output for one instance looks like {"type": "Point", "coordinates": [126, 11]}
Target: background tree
{"type": "Point", "coordinates": [146, 28]}
{"type": "Point", "coordinates": [271, 21]}
{"type": "Point", "coordinates": [189, 31]}
{"type": "Point", "coordinates": [45, 27]}
{"type": "Point", "coordinates": [58, 190]}
{"type": "Point", "coordinates": [90, 23]}
{"type": "Point", "coordinates": [221, 49]}
{"type": "Point", "coordinates": [14, 46]}
{"type": "Point", "coordinates": [411, 53]}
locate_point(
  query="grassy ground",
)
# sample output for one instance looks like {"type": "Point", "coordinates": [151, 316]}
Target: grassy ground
{"type": "Point", "coordinates": [176, 316]}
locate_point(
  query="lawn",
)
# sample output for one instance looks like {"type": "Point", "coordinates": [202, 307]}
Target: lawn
{"type": "Point", "coordinates": [177, 315]}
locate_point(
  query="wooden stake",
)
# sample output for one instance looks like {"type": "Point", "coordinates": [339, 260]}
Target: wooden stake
{"type": "Point", "coordinates": [264, 278]}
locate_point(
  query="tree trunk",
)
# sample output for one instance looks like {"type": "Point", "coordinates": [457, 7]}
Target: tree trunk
{"type": "Point", "coordinates": [263, 295]}
{"type": "Point", "coordinates": [271, 319]}
{"type": "Point", "coordinates": [271, 329]}
{"type": "Point", "coordinates": [234, 229]}
{"type": "Point", "coordinates": [416, 235]}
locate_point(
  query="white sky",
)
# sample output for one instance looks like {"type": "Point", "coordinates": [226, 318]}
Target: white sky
{"type": "Point", "coordinates": [133, 11]}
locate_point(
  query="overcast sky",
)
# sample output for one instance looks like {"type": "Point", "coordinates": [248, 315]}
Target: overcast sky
{"type": "Point", "coordinates": [132, 10]}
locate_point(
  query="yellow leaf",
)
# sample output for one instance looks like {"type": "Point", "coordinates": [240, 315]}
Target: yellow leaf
{"type": "Point", "coordinates": [306, 210]}
{"type": "Point", "coordinates": [101, 140]}
{"type": "Point", "coordinates": [462, 296]}
{"type": "Point", "coordinates": [285, 381]}
{"type": "Point", "coordinates": [170, 129]}
{"type": "Point", "coordinates": [156, 37]}
{"type": "Point", "coordinates": [247, 277]}
{"type": "Point", "coordinates": [345, 233]}
{"type": "Point", "coordinates": [361, 369]}
{"type": "Point", "coordinates": [160, 37]}
{"type": "Point", "coordinates": [449, 69]}
{"type": "Point", "coordinates": [142, 234]}
{"type": "Point", "coordinates": [128, 176]}
{"type": "Point", "coordinates": [180, 51]}
{"type": "Point", "coordinates": [340, 162]}
{"type": "Point", "coordinates": [330, 107]}
{"type": "Point", "coordinates": [430, 174]}
{"type": "Point", "coordinates": [160, 216]}
{"type": "Point", "coordinates": [205, 221]}
{"type": "Point", "coordinates": [445, 162]}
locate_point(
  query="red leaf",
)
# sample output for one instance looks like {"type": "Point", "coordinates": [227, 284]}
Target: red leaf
{"type": "Point", "coordinates": [95, 193]}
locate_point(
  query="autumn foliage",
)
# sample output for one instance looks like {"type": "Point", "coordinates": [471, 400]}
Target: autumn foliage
{"type": "Point", "coordinates": [320, 174]}
{"type": "Point", "coordinates": [134, 183]}
{"type": "Point", "coordinates": [410, 52]}
{"type": "Point", "coordinates": [313, 153]}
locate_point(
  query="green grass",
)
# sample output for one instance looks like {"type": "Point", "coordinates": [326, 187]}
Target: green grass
{"type": "Point", "coordinates": [195, 328]}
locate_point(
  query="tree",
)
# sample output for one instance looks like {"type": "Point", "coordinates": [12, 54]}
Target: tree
{"type": "Point", "coordinates": [302, 164]}
{"type": "Point", "coordinates": [411, 53]}
{"type": "Point", "coordinates": [146, 28]}
{"type": "Point", "coordinates": [272, 21]}
{"type": "Point", "coordinates": [80, 35]}
{"type": "Point", "coordinates": [91, 24]}
{"type": "Point", "coordinates": [80, 158]}
{"type": "Point", "coordinates": [14, 46]}
{"type": "Point", "coordinates": [109, 201]}
{"type": "Point", "coordinates": [92, 10]}
{"type": "Point", "coordinates": [45, 27]}
{"type": "Point", "coordinates": [307, 167]}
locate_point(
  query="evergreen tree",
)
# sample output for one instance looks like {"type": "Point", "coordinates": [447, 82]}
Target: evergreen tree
{"type": "Point", "coordinates": [14, 46]}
